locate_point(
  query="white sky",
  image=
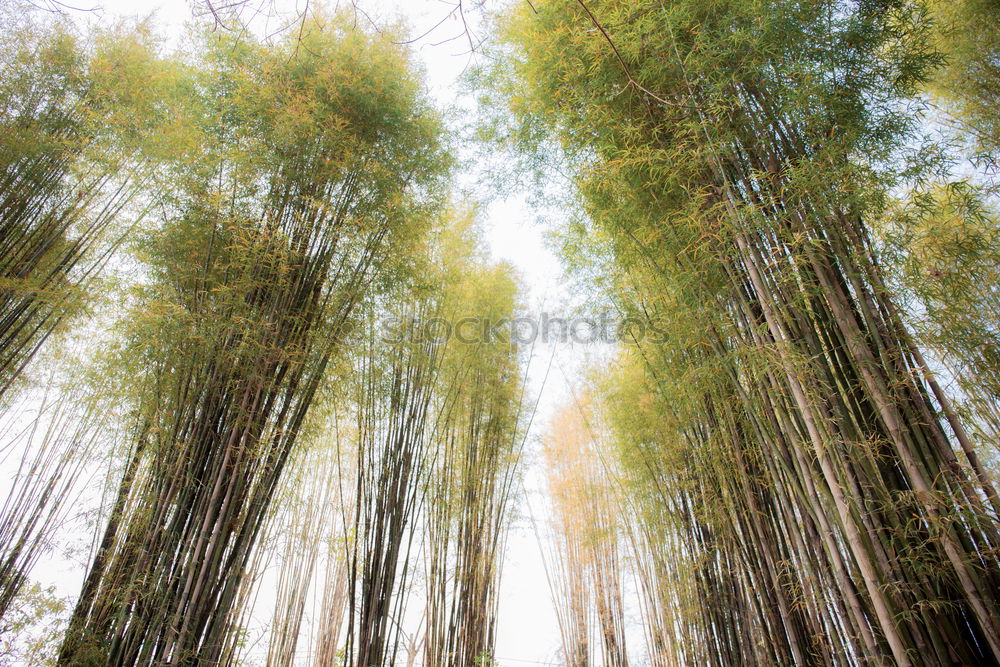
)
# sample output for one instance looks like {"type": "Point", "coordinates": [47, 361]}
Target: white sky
{"type": "Point", "coordinates": [527, 631]}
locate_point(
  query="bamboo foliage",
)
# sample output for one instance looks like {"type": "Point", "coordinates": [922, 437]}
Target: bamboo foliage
{"type": "Point", "coordinates": [969, 81]}
{"type": "Point", "coordinates": [942, 256]}
{"type": "Point", "coordinates": [81, 119]}
{"type": "Point", "coordinates": [42, 120]}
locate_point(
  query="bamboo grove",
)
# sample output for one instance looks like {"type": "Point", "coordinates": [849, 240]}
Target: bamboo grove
{"type": "Point", "coordinates": [805, 490]}
{"type": "Point", "coordinates": [279, 204]}
{"type": "Point", "coordinates": [247, 321]}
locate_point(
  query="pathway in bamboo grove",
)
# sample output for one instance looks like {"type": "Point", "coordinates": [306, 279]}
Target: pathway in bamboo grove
{"type": "Point", "coordinates": [269, 395]}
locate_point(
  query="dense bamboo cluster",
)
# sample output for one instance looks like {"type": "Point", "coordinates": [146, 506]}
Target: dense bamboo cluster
{"type": "Point", "coordinates": [385, 543]}
{"type": "Point", "coordinates": [311, 169]}
{"type": "Point", "coordinates": [470, 486]}
{"type": "Point", "coordinates": [390, 534]}
{"type": "Point", "coordinates": [589, 543]}
{"type": "Point", "coordinates": [394, 421]}
{"type": "Point", "coordinates": [437, 449]}
{"type": "Point", "coordinates": [831, 503]}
